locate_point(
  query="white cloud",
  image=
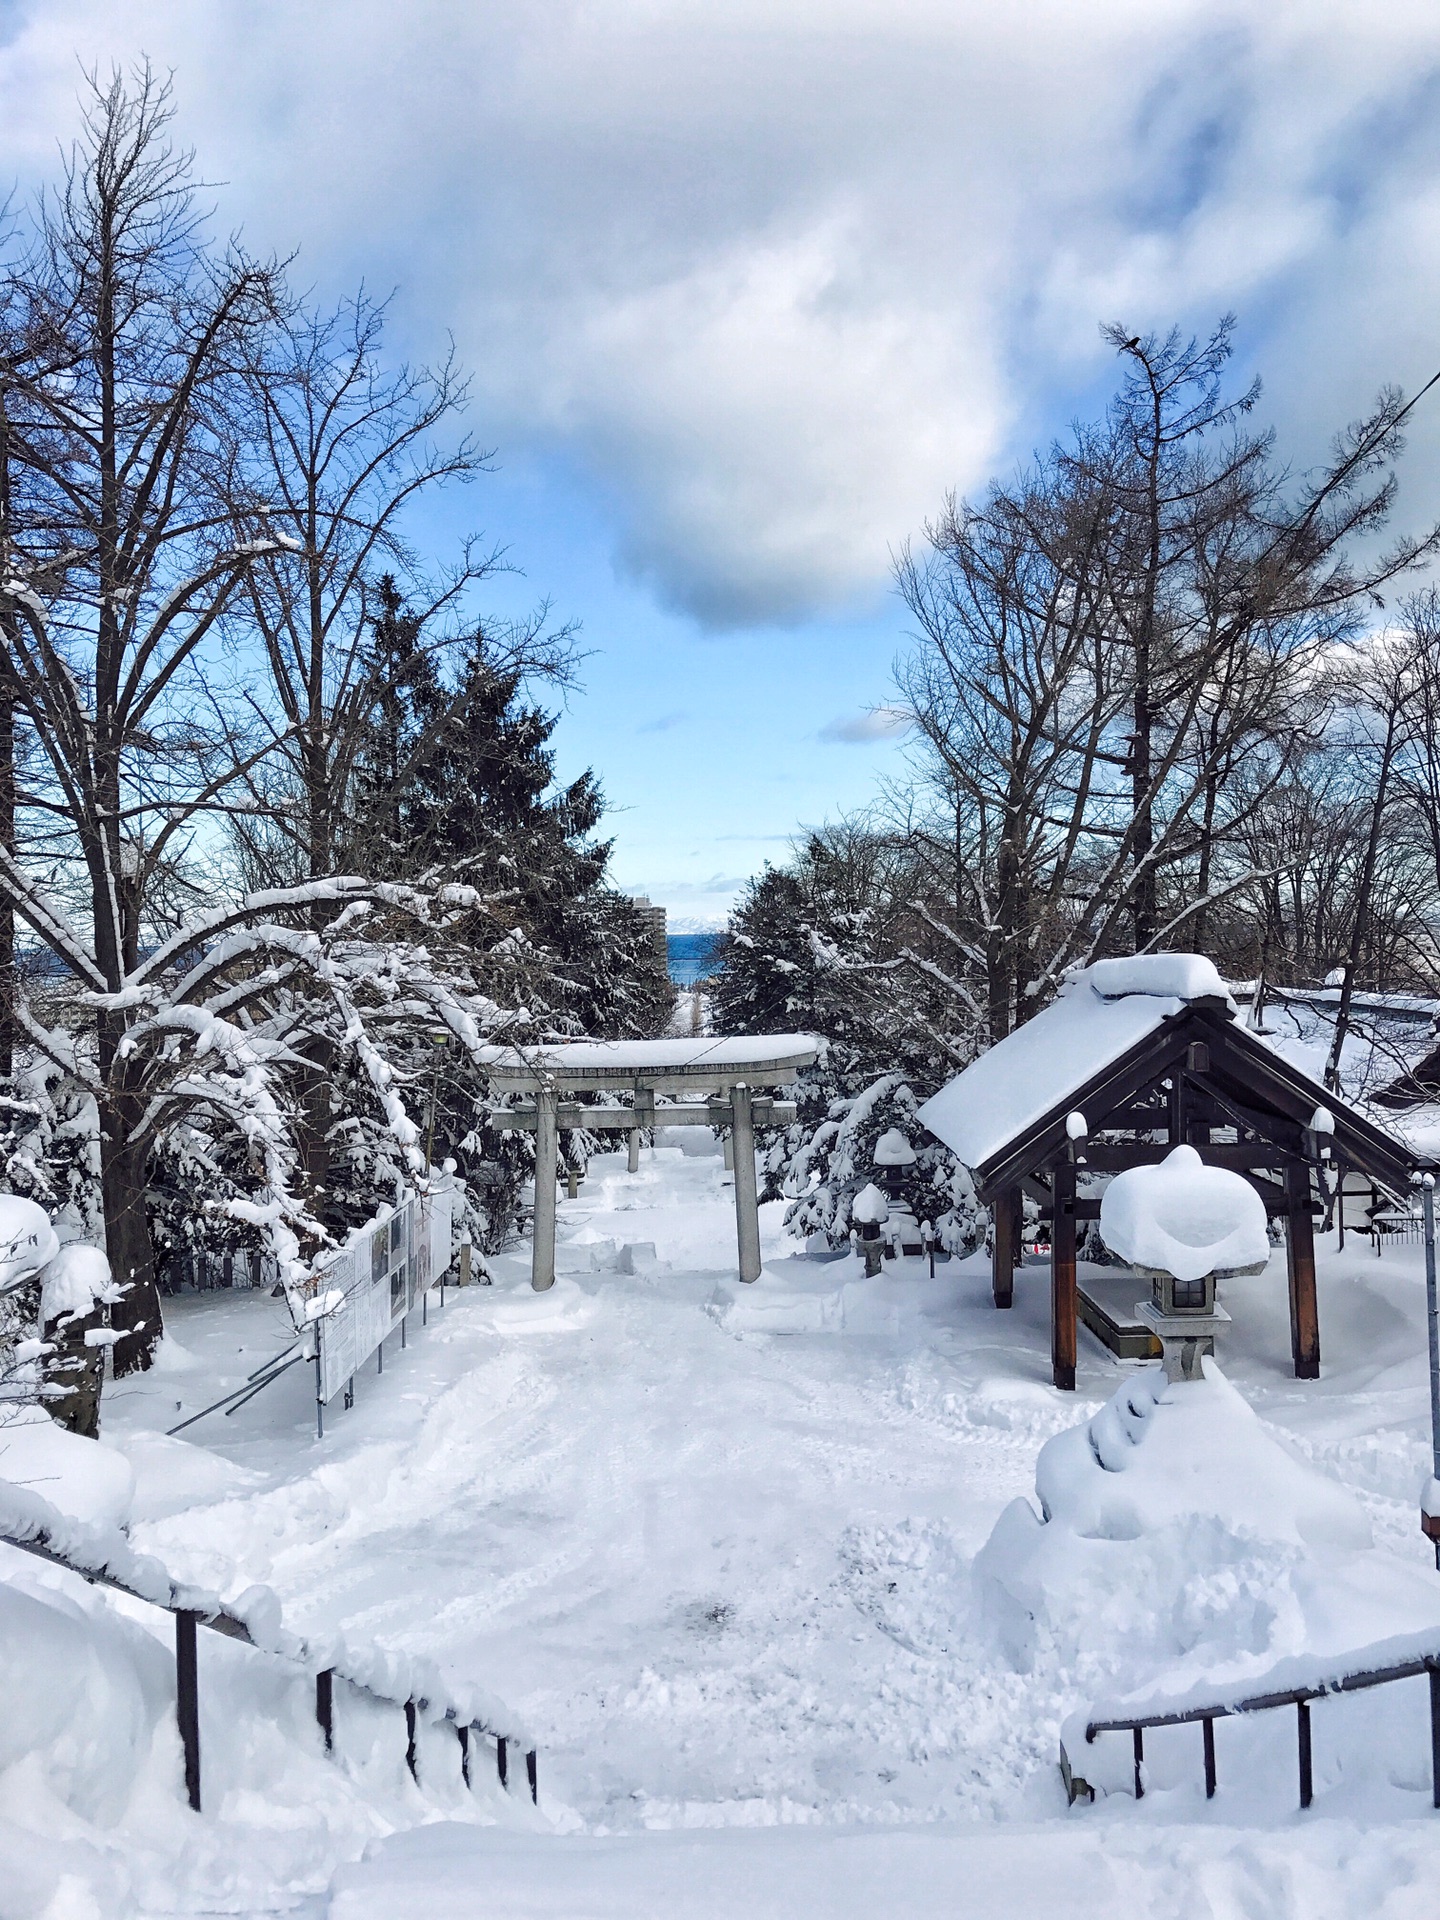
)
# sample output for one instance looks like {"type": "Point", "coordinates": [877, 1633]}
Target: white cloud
{"type": "Point", "coordinates": [880, 723]}
{"type": "Point", "coordinates": [776, 275]}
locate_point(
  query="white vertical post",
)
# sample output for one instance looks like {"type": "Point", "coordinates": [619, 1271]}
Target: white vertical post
{"type": "Point", "coordinates": [547, 1152]}
{"type": "Point", "coordinates": [747, 1201]}
{"type": "Point", "coordinates": [632, 1158]}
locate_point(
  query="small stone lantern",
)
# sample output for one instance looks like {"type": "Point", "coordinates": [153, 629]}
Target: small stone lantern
{"type": "Point", "coordinates": [870, 1212]}
{"type": "Point", "coordinates": [893, 1155]}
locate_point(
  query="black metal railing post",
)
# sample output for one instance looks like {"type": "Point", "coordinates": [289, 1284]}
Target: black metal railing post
{"type": "Point", "coordinates": [411, 1757]}
{"type": "Point", "coordinates": [502, 1766]}
{"type": "Point", "coordinates": [325, 1706]}
{"type": "Point", "coordinates": [1139, 1764]}
{"type": "Point", "coordinates": [1209, 1727]}
{"type": "Point", "coordinates": [532, 1775]}
{"type": "Point", "coordinates": [464, 1735]}
{"type": "Point", "coordinates": [1307, 1782]}
{"type": "Point", "coordinates": [1434, 1678]}
{"type": "Point", "coordinates": [187, 1702]}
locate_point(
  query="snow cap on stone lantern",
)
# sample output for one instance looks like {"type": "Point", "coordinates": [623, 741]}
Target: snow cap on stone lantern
{"type": "Point", "coordinates": [28, 1242]}
{"type": "Point", "coordinates": [893, 1153]}
{"type": "Point", "coordinates": [1182, 1223]}
{"type": "Point", "coordinates": [892, 1149]}
{"type": "Point", "coordinates": [869, 1208]}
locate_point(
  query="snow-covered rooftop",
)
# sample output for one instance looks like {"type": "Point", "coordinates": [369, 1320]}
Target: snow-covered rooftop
{"type": "Point", "coordinates": [1099, 1013]}
{"type": "Point", "coordinates": [700, 1060]}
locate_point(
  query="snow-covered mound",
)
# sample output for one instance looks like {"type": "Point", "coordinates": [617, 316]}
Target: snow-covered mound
{"type": "Point", "coordinates": [791, 1297]}
{"type": "Point", "coordinates": [27, 1240]}
{"type": "Point", "coordinates": [79, 1477]}
{"type": "Point", "coordinates": [1183, 1544]}
{"type": "Point", "coordinates": [1185, 1218]}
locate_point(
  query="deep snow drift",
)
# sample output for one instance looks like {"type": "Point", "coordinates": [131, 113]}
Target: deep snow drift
{"type": "Point", "coordinates": [719, 1547]}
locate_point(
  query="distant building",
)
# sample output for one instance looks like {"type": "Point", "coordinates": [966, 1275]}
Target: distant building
{"type": "Point", "coordinates": [654, 918]}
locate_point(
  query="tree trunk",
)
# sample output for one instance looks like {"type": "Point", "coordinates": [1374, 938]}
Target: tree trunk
{"type": "Point", "coordinates": [1362, 900]}
{"type": "Point", "coordinates": [136, 1314]}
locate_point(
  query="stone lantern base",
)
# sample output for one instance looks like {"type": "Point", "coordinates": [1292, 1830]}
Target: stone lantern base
{"type": "Point", "coordinates": [1184, 1337]}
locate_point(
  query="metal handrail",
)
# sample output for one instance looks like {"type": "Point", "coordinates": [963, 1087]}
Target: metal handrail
{"type": "Point", "coordinates": [220, 1620]}
{"type": "Point", "coordinates": [1298, 1697]}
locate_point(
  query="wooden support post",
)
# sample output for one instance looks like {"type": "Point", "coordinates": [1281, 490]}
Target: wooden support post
{"type": "Point", "coordinates": [1300, 1265]}
{"type": "Point", "coordinates": [533, 1776]}
{"type": "Point", "coordinates": [727, 1148]}
{"type": "Point", "coordinates": [632, 1154]}
{"type": "Point", "coordinates": [325, 1706]}
{"type": "Point", "coordinates": [187, 1702]}
{"type": "Point", "coordinates": [1434, 1679]}
{"type": "Point", "coordinates": [1209, 1726]}
{"type": "Point", "coordinates": [747, 1202]}
{"type": "Point", "coordinates": [1062, 1279]}
{"type": "Point", "coordinates": [464, 1276]}
{"type": "Point", "coordinates": [1307, 1779]}
{"type": "Point", "coordinates": [547, 1147]}
{"type": "Point", "coordinates": [1003, 1248]}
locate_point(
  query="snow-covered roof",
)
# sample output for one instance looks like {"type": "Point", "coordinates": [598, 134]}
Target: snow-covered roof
{"type": "Point", "coordinates": [701, 1060]}
{"type": "Point", "coordinates": [1099, 1013]}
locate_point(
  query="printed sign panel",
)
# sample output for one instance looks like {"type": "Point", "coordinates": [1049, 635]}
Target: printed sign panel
{"type": "Point", "coordinates": [379, 1277]}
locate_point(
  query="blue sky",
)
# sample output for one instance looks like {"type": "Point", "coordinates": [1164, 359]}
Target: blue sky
{"type": "Point", "coordinates": [747, 285]}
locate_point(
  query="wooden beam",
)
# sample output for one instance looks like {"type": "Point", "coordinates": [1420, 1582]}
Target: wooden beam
{"type": "Point", "coordinates": [1004, 1245]}
{"type": "Point", "coordinates": [1107, 1156]}
{"type": "Point", "coordinates": [1063, 1304]}
{"type": "Point", "coordinates": [1300, 1267]}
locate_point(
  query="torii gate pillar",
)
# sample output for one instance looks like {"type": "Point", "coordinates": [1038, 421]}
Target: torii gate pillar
{"type": "Point", "coordinates": [747, 1200]}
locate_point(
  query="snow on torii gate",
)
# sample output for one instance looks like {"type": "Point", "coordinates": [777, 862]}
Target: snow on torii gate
{"type": "Point", "coordinates": [730, 1068]}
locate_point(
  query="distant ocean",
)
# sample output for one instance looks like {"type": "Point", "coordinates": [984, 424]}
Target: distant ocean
{"type": "Point", "coordinates": [691, 956]}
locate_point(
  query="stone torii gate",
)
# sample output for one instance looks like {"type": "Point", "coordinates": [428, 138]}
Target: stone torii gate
{"type": "Point", "coordinates": [730, 1070]}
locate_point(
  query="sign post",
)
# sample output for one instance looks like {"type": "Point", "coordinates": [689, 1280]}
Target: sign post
{"type": "Point", "coordinates": [1430, 1521]}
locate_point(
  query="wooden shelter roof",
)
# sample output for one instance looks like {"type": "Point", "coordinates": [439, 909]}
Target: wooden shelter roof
{"type": "Point", "coordinates": [1097, 1053]}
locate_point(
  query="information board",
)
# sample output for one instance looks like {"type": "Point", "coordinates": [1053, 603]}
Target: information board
{"type": "Point", "coordinates": [378, 1277]}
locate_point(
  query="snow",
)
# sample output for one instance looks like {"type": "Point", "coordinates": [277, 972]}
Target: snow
{"type": "Point", "coordinates": [75, 1279]}
{"type": "Point", "coordinates": [27, 1240]}
{"type": "Point", "coordinates": [1166, 976]}
{"type": "Point", "coordinates": [1184, 1218]}
{"type": "Point", "coordinates": [78, 1477]}
{"type": "Point", "coordinates": [775, 1599]}
{"type": "Point", "coordinates": [1187, 1557]}
{"type": "Point", "coordinates": [618, 1062]}
{"type": "Point", "coordinates": [870, 1207]}
{"type": "Point", "coordinates": [1039, 1067]}
{"type": "Point", "coordinates": [892, 1149]}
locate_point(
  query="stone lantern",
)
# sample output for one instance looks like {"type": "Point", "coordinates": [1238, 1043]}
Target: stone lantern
{"type": "Point", "coordinates": [893, 1156]}
{"type": "Point", "coordinates": [870, 1212]}
{"type": "Point", "coordinates": [1185, 1316]}
{"type": "Point", "coordinates": [1183, 1225]}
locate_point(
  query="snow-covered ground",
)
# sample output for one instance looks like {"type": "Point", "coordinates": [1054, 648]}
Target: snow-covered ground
{"type": "Point", "coordinates": [726, 1573]}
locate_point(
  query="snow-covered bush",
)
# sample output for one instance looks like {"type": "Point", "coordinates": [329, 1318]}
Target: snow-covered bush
{"type": "Point", "coordinates": [820, 1167]}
